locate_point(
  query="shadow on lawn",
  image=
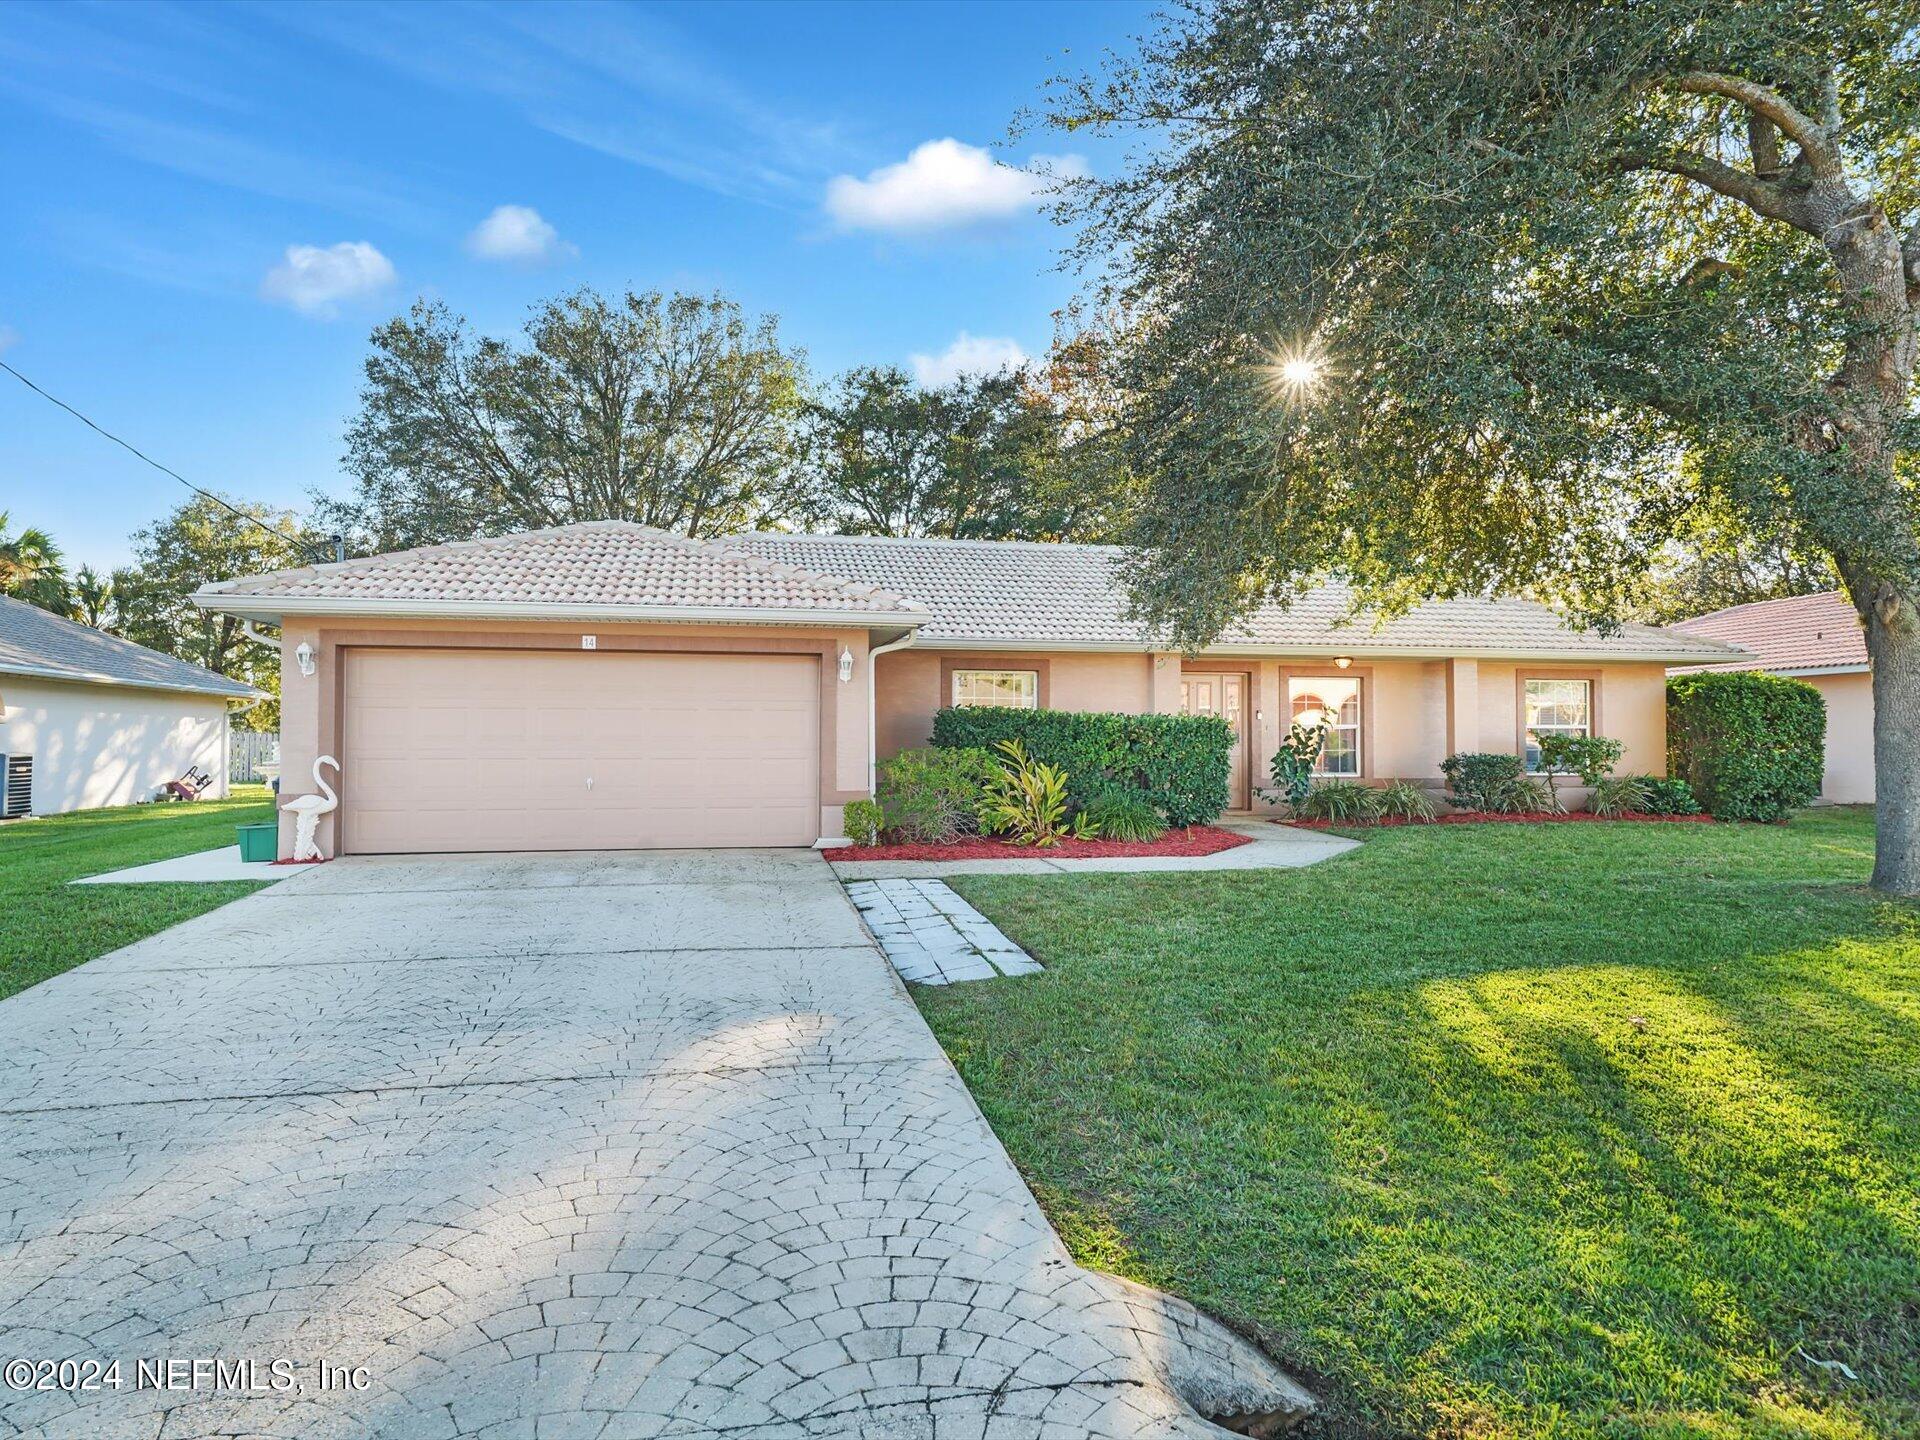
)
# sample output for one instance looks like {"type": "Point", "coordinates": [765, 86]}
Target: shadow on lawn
{"type": "Point", "coordinates": [1552, 1171]}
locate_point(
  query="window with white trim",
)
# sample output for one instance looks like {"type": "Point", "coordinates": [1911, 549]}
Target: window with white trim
{"type": "Point", "coordinates": [1008, 689]}
{"type": "Point", "coordinates": [1311, 697]}
{"type": "Point", "coordinates": [1556, 707]}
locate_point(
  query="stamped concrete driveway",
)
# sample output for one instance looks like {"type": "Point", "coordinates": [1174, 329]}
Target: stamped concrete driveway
{"type": "Point", "coordinates": [544, 1146]}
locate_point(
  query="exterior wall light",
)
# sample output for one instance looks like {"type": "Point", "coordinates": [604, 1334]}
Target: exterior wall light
{"type": "Point", "coordinates": [846, 665]}
{"type": "Point", "coordinates": [1341, 662]}
{"type": "Point", "coordinates": [303, 657]}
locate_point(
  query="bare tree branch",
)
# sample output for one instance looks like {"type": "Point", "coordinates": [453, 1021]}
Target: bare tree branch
{"type": "Point", "coordinates": [1813, 139]}
{"type": "Point", "coordinates": [1763, 143]}
{"type": "Point", "coordinates": [1763, 197]}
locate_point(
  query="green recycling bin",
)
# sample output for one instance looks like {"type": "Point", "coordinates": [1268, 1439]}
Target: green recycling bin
{"type": "Point", "coordinates": [259, 842]}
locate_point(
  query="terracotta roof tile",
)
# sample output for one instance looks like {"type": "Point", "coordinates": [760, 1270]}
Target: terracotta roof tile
{"type": "Point", "coordinates": [1803, 632]}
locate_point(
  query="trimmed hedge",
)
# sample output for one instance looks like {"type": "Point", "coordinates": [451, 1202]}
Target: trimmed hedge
{"type": "Point", "coordinates": [1751, 745]}
{"type": "Point", "coordinates": [1179, 764]}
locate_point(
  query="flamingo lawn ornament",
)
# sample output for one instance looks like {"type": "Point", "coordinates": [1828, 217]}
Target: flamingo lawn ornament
{"type": "Point", "coordinates": [308, 809]}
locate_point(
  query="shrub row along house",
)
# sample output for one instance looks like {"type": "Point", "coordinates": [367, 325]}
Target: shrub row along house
{"type": "Point", "coordinates": [609, 685]}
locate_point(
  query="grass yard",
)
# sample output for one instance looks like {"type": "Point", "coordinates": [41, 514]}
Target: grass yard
{"type": "Point", "coordinates": [47, 925]}
{"type": "Point", "coordinates": [1547, 1132]}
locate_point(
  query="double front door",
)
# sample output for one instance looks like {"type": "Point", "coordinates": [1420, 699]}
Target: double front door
{"type": "Point", "coordinates": [1226, 696]}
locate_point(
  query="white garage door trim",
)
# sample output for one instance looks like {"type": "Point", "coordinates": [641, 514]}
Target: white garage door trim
{"type": "Point", "coordinates": [470, 749]}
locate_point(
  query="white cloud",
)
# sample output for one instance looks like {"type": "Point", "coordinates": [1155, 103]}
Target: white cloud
{"type": "Point", "coordinates": [314, 280]}
{"type": "Point", "coordinates": [518, 232]}
{"type": "Point", "coordinates": [942, 185]}
{"type": "Point", "coordinates": [967, 355]}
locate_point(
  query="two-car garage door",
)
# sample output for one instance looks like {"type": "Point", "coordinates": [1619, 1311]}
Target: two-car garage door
{"type": "Point", "coordinates": [559, 750]}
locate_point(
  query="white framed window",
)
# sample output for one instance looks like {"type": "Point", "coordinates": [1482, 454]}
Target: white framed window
{"type": "Point", "coordinates": [1008, 689]}
{"type": "Point", "coordinates": [1555, 707]}
{"type": "Point", "coordinates": [1312, 696]}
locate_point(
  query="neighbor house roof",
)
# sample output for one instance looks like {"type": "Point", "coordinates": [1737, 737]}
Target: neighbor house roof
{"type": "Point", "coordinates": [46, 647]}
{"type": "Point", "coordinates": [602, 568]}
{"type": "Point", "coordinates": [975, 594]}
{"type": "Point", "coordinates": [1008, 594]}
{"type": "Point", "coordinates": [1804, 634]}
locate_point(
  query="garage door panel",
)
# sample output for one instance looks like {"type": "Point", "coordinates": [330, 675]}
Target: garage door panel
{"type": "Point", "coordinates": [493, 750]}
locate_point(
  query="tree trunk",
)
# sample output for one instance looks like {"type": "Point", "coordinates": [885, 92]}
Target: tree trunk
{"type": "Point", "coordinates": [1893, 645]}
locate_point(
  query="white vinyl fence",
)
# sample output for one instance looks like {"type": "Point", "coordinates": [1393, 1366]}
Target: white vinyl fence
{"type": "Point", "coordinates": [249, 749]}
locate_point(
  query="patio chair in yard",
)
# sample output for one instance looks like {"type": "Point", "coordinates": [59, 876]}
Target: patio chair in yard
{"type": "Point", "coordinates": [190, 786]}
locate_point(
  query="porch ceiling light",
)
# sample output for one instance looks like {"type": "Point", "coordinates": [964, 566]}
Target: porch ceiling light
{"type": "Point", "coordinates": [1341, 662]}
{"type": "Point", "coordinates": [846, 665]}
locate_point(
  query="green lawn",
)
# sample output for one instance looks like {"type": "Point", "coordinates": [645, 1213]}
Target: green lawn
{"type": "Point", "coordinates": [1558, 1131]}
{"type": "Point", "coordinates": [47, 925]}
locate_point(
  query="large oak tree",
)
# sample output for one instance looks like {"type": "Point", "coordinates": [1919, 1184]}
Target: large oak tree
{"type": "Point", "coordinates": [669, 410]}
{"type": "Point", "coordinates": [1552, 279]}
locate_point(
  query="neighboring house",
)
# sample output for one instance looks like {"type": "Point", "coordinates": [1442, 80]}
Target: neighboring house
{"type": "Point", "coordinates": [88, 719]}
{"type": "Point", "coordinates": [1818, 639]}
{"type": "Point", "coordinates": [607, 685]}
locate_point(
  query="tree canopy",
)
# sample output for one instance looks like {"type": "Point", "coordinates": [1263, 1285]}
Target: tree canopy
{"type": "Point", "coordinates": [33, 569]}
{"type": "Point", "coordinates": [1551, 279]}
{"type": "Point", "coordinates": [673, 411]}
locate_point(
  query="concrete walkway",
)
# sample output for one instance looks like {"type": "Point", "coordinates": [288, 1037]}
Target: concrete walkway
{"type": "Point", "coordinates": [201, 867]}
{"type": "Point", "coordinates": [1272, 847]}
{"type": "Point", "coordinates": [542, 1146]}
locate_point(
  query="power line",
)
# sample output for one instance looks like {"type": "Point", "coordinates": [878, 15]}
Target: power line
{"type": "Point", "coordinates": [305, 547]}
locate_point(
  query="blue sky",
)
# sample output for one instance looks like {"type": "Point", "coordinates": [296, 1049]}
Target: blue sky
{"type": "Point", "coordinates": [209, 206]}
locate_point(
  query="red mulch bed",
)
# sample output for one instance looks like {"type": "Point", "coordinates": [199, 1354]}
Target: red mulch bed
{"type": "Point", "coordinates": [1197, 840]}
{"type": "Point", "coordinates": [1487, 817]}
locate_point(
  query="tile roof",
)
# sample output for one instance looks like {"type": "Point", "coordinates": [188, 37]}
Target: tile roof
{"type": "Point", "coordinates": [33, 642]}
{"type": "Point", "coordinates": [982, 592]}
{"type": "Point", "coordinates": [1803, 632]}
{"type": "Point", "coordinates": [601, 563]}
{"type": "Point", "coordinates": [1023, 592]}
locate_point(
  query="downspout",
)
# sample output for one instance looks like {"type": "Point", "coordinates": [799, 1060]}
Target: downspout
{"type": "Point", "coordinates": [873, 742]}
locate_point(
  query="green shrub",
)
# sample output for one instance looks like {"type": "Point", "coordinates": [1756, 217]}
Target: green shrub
{"type": "Point", "coordinates": [864, 820]}
{"type": "Point", "coordinates": [1669, 797]}
{"type": "Point", "coordinates": [1751, 745]}
{"type": "Point", "coordinates": [1615, 795]}
{"type": "Point", "coordinates": [1292, 764]}
{"type": "Point", "coordinates": [932, 797]}
{"type": "Point", "coordinates": [1338, 800]}
{"type": "Point", "coordinates": [1178, 763]}
{"type": "Point", "coordinates": [1591, 757]}
{"type": "Point", "coordinates": [1476, 780]}
{"type": "Point", "coordinates": [1523, 795]}
{"type": "Point", "coordinates": [1124, 815]}
{"type": "Point", "coordinates": [1404, 800]}
{"type": "Point", "coordinates": [1027, 801]}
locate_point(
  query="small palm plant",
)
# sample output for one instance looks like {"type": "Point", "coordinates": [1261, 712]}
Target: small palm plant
{"type": "Point", "coordinates": [1027, 801]}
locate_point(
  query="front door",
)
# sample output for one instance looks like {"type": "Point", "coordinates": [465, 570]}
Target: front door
{"type": "Point", "coordinates": [1225, 696]}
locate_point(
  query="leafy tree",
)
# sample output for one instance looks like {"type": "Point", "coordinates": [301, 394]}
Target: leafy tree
{"type": "Point", "coordinates": [673, 411]}
{"type": "Point", "coordinates": [198, 544]}
{"type": "Point", "coordinates": [987, 457]}
{"type": "Point", "coordinates": [93, 598]}
{"type": "Point", "coordinates": [1452, 296]}
{"type": "Point", "coordinates": [32, 568]}
{"type": "Point", "coordinates": [1717, 563]}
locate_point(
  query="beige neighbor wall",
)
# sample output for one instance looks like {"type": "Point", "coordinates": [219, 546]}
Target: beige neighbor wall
{"type": "Point", "coordinates": [95, 745]}
{"type": "Point", "coordinates": [310, 706]}
{"type": "Point", "coordinates": [1414, 712]}
{"type": "Point", "coordinates": [1849, 772]}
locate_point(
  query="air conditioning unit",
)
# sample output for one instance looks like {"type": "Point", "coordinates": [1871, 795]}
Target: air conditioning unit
{"type": "Point", "coordinates": [16, 786]}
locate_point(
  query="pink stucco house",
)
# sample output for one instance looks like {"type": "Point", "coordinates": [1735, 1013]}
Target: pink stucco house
{"type": "Point", "coordinates": [1818, 639]}
{"type": "Point", "coordinates": [605, 685]}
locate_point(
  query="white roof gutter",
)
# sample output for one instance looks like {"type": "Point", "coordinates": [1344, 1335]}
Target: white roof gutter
{"type": "Point", "coordinates": [273, 607]}
{"type": "Point", "coordinates": [91, 677]}
{"type": "Point", "coordinates": [1255, 649]}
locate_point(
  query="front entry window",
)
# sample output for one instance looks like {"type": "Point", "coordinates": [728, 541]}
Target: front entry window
{"type": "Point", "coordinates": [1556, 707]}
{"type": "Point", "coordinates": [1338, 696]}
{"type": "Point", "coordinates": [1009, 689]}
